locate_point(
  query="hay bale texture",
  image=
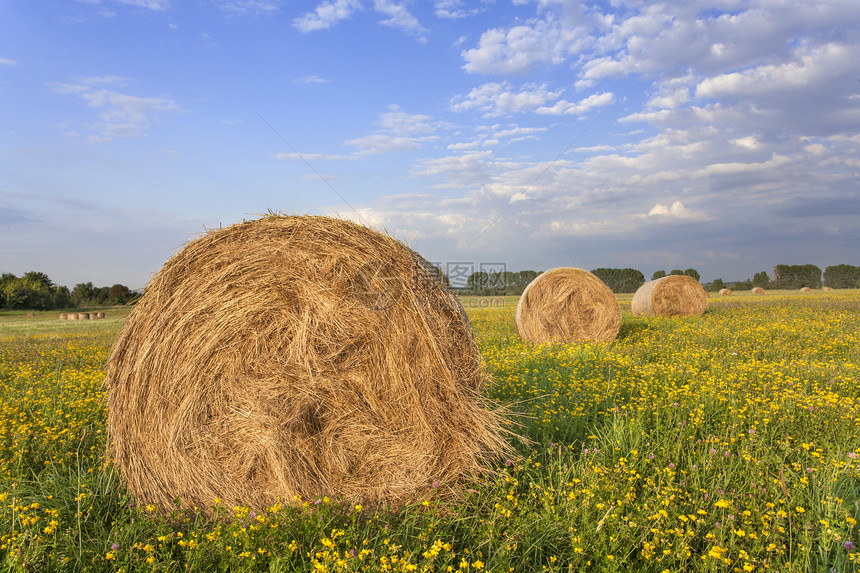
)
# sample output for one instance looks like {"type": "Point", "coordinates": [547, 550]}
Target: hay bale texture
{"type": "Point", "coordinates": [757, 290]}
{"type": "Point", "coordinates": [673, 295]}
{"type": "Point", "coordinates": [300, 356]}
{"type": "Point", "coordinates": [567, 304]}
{"type": "Point", "coordinates": [725, 292]}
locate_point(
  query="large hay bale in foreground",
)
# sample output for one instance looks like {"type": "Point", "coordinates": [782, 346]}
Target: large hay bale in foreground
{"type": "Point", "coordinates": [757, 290]}
{"type": "Point", "coordinates": [297, 356]}
{"type": "Point", "coordinates": [567, 305]}
{"type": "Point", "coordinates": [673, 295]}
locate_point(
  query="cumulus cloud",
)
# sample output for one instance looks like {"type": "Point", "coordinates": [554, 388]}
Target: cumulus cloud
{"type": "Point", "coordinates": [120, 115]}
{"type": "Point", "coordinates": [326, 15]}
{"type": "Point", "coordinates": [518, 49]}
{"type": "Point", "coordinates": [329, 13]}
{"type": "Point", "coordinates": [499, 98]}
{"type": "Point", "coordinates": [397, 16]}
{"type": "Point", "coordinates": [564, 107]}
{"type": "Point", "coordinates": [677, 210]}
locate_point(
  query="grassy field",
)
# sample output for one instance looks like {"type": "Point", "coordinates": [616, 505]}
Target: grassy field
{"type": "Point", "coordinates": [727, 442]}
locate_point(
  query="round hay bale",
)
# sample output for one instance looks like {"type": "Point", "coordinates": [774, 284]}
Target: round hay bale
{"type": "Point", "coordinates": [567, 305]}
{"type": "Point", "coordinates": [725, 292]}
{"type": "Point", "coordinates": [83, 316]}
{"type": "Point", "coordinates": [757, 290]}
{"type": "Point", "coordinates": [498, 302]}
{"type": "Point", "coordinates": [673, 295]}
{"type": "Point", "coordinates": [73, 316]}
{"type": "Point", "coordinates": [805, 289]}
{"type": "Point", "coordinates": [31, 315]}
{"type": "Point", "coordinates": [827, 288]}
{"type": "Point", "coordinates": [64, 316]}
{"type": "Point", "coordinates": [297, 356]}
{"type": "Point", "coordinates": [94, 315]}
{"type": "Point", "coordinates": [101, 315]}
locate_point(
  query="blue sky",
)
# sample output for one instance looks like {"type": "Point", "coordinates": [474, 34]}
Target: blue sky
{"type": "Point", "coordinates": [723, 135]}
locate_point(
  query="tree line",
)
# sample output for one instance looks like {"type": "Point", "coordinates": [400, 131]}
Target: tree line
{"type": "Point", "coordinates": [788, 277]}
{"type": "Point", "coordinates": [36, 291]}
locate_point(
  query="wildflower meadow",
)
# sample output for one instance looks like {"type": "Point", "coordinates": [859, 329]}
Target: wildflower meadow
{"type": "Point", "coordinates": [726, 442]}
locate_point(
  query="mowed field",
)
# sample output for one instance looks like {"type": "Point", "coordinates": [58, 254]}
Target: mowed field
{"type": "Point", "coordinates": [726, 442]}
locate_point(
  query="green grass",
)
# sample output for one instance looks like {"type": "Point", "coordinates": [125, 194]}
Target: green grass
{"type": "Point", "coordinates": [727, 442]}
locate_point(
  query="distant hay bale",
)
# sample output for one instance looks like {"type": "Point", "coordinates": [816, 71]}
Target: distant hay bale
{"type": "Point", "coordinates": [94, 315]}
{"type": "Point", "coordinates": [83, 316]}
{"type": "Point", "coordinates": [498, 302]}
{"type": "Point", "coordinates": [303, 356]}
{"type": "Point", "coordinates": [673, 295]}
{"type": "Point", "coordinates": [725, 292]}
{"type": "Point", "coordinates": [805, 289]}
{"type": "Point", "coordinates": [64, 316]}
{"type": "Point", "coordinates": [827, 288]}
{"type": "Point", "coordinates": [567, 305]}
{"type": "Point", "coordinates": [757, 290]}
{"type": "Point", "coordinates": [31, 314]}
{"type": "Point", "coordinates": [101, 315]}
{"type": "Point", "coordinates": [73, 316]}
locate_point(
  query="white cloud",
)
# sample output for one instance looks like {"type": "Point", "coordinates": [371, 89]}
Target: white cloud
{"type": "Point", "coordinates": [677, 210]}
{"type": "Point", "coordinates": [400, 122]}
{"type": "Point", "coordinates": [311, 80]}
{"type": "Point", "coordinates": [564, 107]}
{"type": "Point", "coordinates": [399, 17]}
{"type": "Point", "coordinates": [749, 142]}
{"type": "Point", "coordinates": [740, 167]}
{"type": "Point", "coordinates": [7, 62]}
{"type": "Point", "coordinates": [453, 9]}
{"type": "Point", "coordinates": [326, 15]}
{"type": "Point", "coordinates": [329, 13]}
{"type": "Point", "coordinates": [494, 99]}
{"type": "Point", "coordinates": [121, 115]}
{"type": "Point", "coordinates": [810, 69]}
{"type": "Point", "coordinates": [384, 143]}
{"type": "Point", "coordinates": [518, 49]}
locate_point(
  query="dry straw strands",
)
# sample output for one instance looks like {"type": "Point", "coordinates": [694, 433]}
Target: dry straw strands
{"type": "Point", "coordinates": [674, 295]}
{"type": "Point", "coordinates": [297, 356]}
{"type": "Point", "coordinates": [725, 292]}
{"type": "Point", "coordinates": [757, 290]}
{"type": "Point", "coordinates": [567, 305]}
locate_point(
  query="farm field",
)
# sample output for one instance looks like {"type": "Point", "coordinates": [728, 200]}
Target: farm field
{"type": "Point", "coordinates": [726, 442]}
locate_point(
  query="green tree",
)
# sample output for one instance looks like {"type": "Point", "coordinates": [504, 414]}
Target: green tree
{"type": "Point", "coordinates": [717, 285]}
{"type": "Point", "coordinates": [478, 282]}
{"type": "Point", "coordinates": [620, 280]}
{"type": "Point", "coordinates": [842, 276]}
{"type": "Point", "coordinates": [692, 273]}
{"type": "Point", "coordinates": [658, 275]}
{"type": "Point", "coordinates": [522, 280]}
{"type": "Point", "coordinates": [119, 294]}
{"type": "Point", "coordinates": [676, 272]}
{"type": "Point", "coordinates": [761, 280]}
{"type": "Point", "coordinates": [796, 276]}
